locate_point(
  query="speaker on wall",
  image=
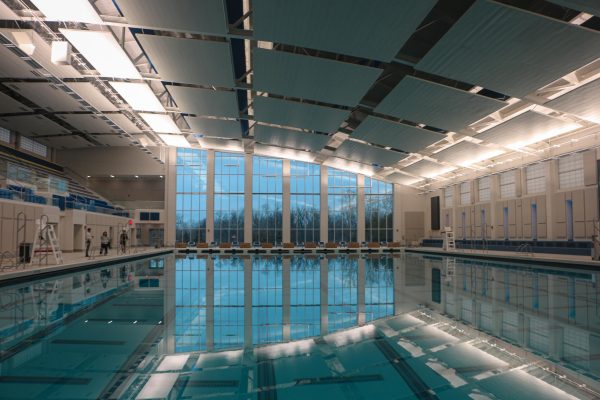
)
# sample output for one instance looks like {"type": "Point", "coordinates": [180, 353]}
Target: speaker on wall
{"type": "Point", "coordinates": [435, 213]}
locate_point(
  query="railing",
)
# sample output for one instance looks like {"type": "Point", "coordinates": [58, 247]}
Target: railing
{"type": "Point", "coordinates": [525, 248]}
{"type": "Point", "coordinates": [7, 255]}
{"type": "Point", "coordinates": [75, 205]}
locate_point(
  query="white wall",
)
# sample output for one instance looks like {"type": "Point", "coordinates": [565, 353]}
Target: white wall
{"type": "Point", "coordinates": [104, 161]}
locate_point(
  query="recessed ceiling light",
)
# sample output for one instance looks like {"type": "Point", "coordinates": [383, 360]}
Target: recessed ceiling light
{"type": "Point", "coordinates": [174, 140]}
{"type": "Point", "coordinates": [161, 123]}
{"type": "Point", "coordinates": [68, 10]}
{"type": "Point", "coordinates": [160, 176]}
{"type": "Point", "coordinates": [112, 176]}
{"type": "Point", "coordinates": [139, 96]}
{"type": "Point", "coordinates": [137, 176]}
{"type": "Point", "coordinates": [88, 176]}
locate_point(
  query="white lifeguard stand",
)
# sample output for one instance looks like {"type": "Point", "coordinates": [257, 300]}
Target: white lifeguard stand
{"type": "Point", "coordinates": [448, 243]}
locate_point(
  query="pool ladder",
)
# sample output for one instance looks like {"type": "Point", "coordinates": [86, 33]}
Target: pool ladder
{"type": "Point", "coordinates": [525, 248]}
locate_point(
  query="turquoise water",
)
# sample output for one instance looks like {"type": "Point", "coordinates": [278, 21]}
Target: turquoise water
{"type": "Point", "coordinates": [341, 327]}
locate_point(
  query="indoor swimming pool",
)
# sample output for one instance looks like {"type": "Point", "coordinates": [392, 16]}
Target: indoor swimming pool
{"type": "Point", "coordinates": [401, 326]}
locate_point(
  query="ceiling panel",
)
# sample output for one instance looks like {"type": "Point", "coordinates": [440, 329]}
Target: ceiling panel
{"type": "Point", "coordinates": [402, 179]}
{"type": "Point", "coordinates": [12, 66]}
{"type": "Point", "coordinates": [314, 78]}
{"type": "Point", "coordinates": [112, 140]}
{"type": "Point", "coordinates": [583, 102]}
{"type": "Point", "coordinates": [200, 62]}
{"type": "Point", "coordinates": [32, 125]}
{"type": "Point", "coordinates": [215, 127]}
{"type": "Point", "coordinates": [525, 129]}
{"type": "Point", "coordinates": [479, 49]}
{"type": "Point", "coordinates": [205, 102]}
{"type": "Point", "coordinates": [124, 122]}
{"type": "Point", "coordinates": [375, 31]}
{"type": "Point", "coordinates": [289, 138]}
{"type": "Point", "coordinates": [92, 95]}
{"type": "Point", "coordinates": [87, 123]}
{"type": "Point", "coordinates": [9, 105]}
{"type": "Point", "coordinates": [66, 142]}
{"type": "Point", "coordinates": [368, 154]}
{"type": "Point", "coordinates": [206, 16]}
{"type": "Point", "coordinates": [427, 169]}
{"type": "Point", "coordinates": [466, 153]}
{"type": "Point", "coordinates": [398, 136]}
{"type": "Point", "coordinates": [436, 105]}
{"type": "Point", "coordinates": [298, 115]}
{"type": "Point", "coordinates": [47, 96]}
{"type": "Point", "coordinates": [589, 6]}
{"type": "Point", "coordinates": [221, 144]}
{"type": "Point", "coordinates": [281, 152]}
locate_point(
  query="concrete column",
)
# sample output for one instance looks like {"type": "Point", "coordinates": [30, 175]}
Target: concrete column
{"type": "Point", "coordinates": [210, 196]}
{"type": "Point", "coordinates": [286, 222]}
{"type": "Point", "coordinates": [210, 304]}
{"type": "Point", "coordinates": [397, 218]}
{"type": "Point", "coordinates": [361, 292]}
{"type": "Point", "coordinates": [247, 198]}
{"type": "Point", "coordinates": [324, 207]}
{"type": "Point", "coordinates": [170, 195]}
{"type": "Point", "coordinates": [324, 298]}
{"type": "Point", "coordinates": [248, 303]}
{"type": "Point", "coordinates": [286, 300]}
{"type": "Point", "coordinates": [360, 212]}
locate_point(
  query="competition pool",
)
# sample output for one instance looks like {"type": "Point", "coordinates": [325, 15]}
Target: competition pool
{"type": "Point", "coordinates": [402, 326]}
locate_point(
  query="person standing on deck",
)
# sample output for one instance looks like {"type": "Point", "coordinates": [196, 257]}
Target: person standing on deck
{"type": "Point", "coordinates": [88, 241]}
{"type": "Point", "coordinates": [104, 241]}
{"type": "Point", "coordinates": [123, 240]}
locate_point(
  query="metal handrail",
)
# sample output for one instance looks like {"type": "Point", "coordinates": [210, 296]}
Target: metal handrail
{"type": "Point", "coordinates": [6, 254]}
{"type": "Point", "coordinates": [525, 248]}
{"type": "Point", "coordinates": [21, 228]}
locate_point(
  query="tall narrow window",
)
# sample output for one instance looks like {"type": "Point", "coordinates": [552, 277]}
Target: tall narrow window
{"type": "Point", "coordinates": [341, 205]}
{"type": "Point", "coordinates": [305, 202]}
{"type": "Point", "coordinates": [535, 178]}
{"type": "Point", "coordinates": [379, 211]}
{"type": "Point", "coordinates": [229, 197]}
{"type": "Point", "coordinates": [267, 199]}
{"type": "Point", "coordinates": [4, 135]}
{"type": "Point", "coordinates": [508, 184]}
{"type": "Point", "coordinates": [484, 188]}
{"type": "Point", "coordinates": [449, 197]}
{"type": "Point", "coordinates": [570, 171]}
{"type": "Point", "coordinates": [190, 213]}
{"type": "Point", "coordinates": [465, 193]}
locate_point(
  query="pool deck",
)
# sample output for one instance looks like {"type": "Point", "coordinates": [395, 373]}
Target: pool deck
{"type": "Point", "coordinates": [558, 260]}
{"type": "Point", "coordinates": [77, 261]}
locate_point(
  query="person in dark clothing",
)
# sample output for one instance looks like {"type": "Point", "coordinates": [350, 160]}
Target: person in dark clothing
{"type": "Point", "coordinates": [88, 241]}
{"type": "Point", "coordinates": [123, 240]}
{"type": "Point", "coordinates": [104, 242]}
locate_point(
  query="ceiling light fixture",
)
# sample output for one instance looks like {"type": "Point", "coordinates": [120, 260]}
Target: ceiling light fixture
{"type": "Point", "coordinates": [102, 50]}
{"type": "Point", "coordinates": [160, 123]}
{"type": "Point", "coordinates": [175, 140]}
{"type": "Point", "coordinates": [68, 10]}
{"type": "Point", "coordinates": [139, 96]}
{"type": "Point", "coordinates": [112, 176]}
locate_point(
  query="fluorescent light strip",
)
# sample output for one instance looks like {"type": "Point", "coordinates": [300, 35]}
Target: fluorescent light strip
{"type": "Point", "coordinates": [104, 53]}
{"type": "Point", "coordinates": [160, 123]}
{"type": "Point", "coordinates": [139, 96]}
{"type": "Point", "coordinates": [174, 140]}
{"type": "Point", "coordinates": [68, 10]}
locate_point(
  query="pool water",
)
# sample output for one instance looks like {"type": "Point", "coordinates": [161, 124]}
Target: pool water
{"type": "Point", "coordinates": [403, 326]}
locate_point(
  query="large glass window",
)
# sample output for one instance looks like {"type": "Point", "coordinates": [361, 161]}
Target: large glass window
{"type": "Point", "coordinates": [267, 199]}
{"type": "Point", "coordinates": [32, 146]}
{"type": "Point", "coordinates": [267, 308]}
{"type": "Point", "coordinates": [508, 182]}
{"type": "Point", "coordinates": [190, 305]}
{"type": "Point", "coordinates": [305, 201]}
{"type": "Point", "coordinates": [229, 302]}
{"type": "Point", "coordinates": [379, 288]}
{"type": "Point", "coordinates": [342, 294]}
{"type": "Point", "coordinates": [465, 193]}
{"type": "Point", "coordinates": [536, 178]}
{"type": "Point", "coordinates": [341, 204]}
{"type": "Point", "coordinates": [4, 135]}
{"type": "Point", "coordinates": [190, 213]}
{"type": "Point", "coordinates": [485, 185]}
{"type": "Point", "coordinates": [570, 171]}
{"type": "Point", "coordinates": [449, 197]}
{"type": "Point", "coordinates": [305, 297]}
{"type": "Point", "coordinates": [229, 197]}
{"type": "Point", "coordinates": [379, 211]}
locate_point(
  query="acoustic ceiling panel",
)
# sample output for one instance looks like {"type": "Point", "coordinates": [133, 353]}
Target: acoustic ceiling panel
{"type": "Point", "coordinates": [200, 62]}
{"type": "Point", "coordinates": [398, 136]}
{"type": "Point", "coordinates": [32, 125]}
{"type": "Point", "coordinates": [583, 102]}
{"type": "Point", "coordinates": [124, 123]}
{"type": "Point", "coordinates": [289, 138]}
{"type": "Point", "coordinates": [215, 127]}
{"type": "Point", "coordinates": [47, 96]}
{"type": "Point", "coordinates": [402, 179]}
{"type": "Point", "coordinates": [314, 78]}
{"type": "Point", "coordinates": [12, 66]}
{"type": "Point", "coordinates": [436, 105]}
{"type": "Point", "coordinates": [466, 153]}
{"type": "Point", "coordinates": [207, 16]}
{"type": "Point", "coordinates": [298, 115]}
{"type": "Point", "coordinates": [221, 144]}
{"type": "Point", "coordinates": [365, 29]}
{"type": "Point", "coordinates": [205, 102]}
{"type": "Point", "coordinates": [368, 154]}
{"type": "Point", "coordinates": [589, 6]}
{"type": "Point", "coordinates": [87, 123]}
{"type": "Point", "coordinates": [92, 95]}
{"type": "Point", "coordinates": [525, 129]}
{"type": "Point", "coordinates": [9, 105]}
{"type": "Point", "coordinates": [66, 142]}
{"type": "Point", "coordinates": [112, 140]}
{"type": "Point", "coordinates": [427, 169]}
{"type": "Point", "coordinates": [481, 50]}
